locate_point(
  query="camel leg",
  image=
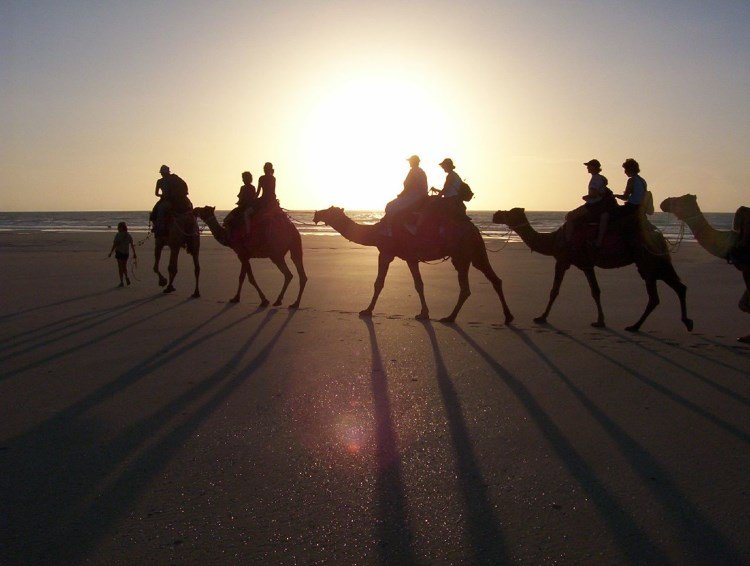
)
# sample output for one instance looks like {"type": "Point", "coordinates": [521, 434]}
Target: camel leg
{"type": "Point", "coordinates": [462, 266]}
{"type": "Point", "coordinates": [419, 286]}
{"type": "Point", "coordinates": [596, 293]}
{"type": "Point", "coordinates": [240, 282]}
{"type": "Point", "coordinates": [679, 287]}
{"type": "Point", "coordinates": [158, 247]}
{"type": "Point", "coordinates": [280, 262]}
{"type": "Point", "coordinates": [384, 261]}
{"type": "Point", "coordinates": [248, 270]}
{"type": "Point", "coordinates": [197, 271]}
{"type": "Point", "coordinates": [173, 255]}
{"type": "Point", "coordinates": [653, 302]}
{"type": "Point", "coordinates": [560, 269]}
{"type": "Point", "coordinates": [745, 302]}
{"type": "Point", "coordinates": [484, 266]}
{"type": "Point", "coordinates": [296, 255]}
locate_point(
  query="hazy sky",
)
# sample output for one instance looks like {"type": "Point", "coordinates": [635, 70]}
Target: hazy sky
{"type": "Point", "coordinates": [97, 95]}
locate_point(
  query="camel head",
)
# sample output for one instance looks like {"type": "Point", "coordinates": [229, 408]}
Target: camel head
{"type": "Point", "coordinates": [330, 213]}
{"type": "Point", "coordinates": [204, 212]}
{"type": "Point", "coordinates": [682, 207]}
{"type": "Point", "coordinates": [512, 217]}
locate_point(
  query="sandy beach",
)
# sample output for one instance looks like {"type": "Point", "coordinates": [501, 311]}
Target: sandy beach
{"type": "Point", "coordinates": [147, 428]}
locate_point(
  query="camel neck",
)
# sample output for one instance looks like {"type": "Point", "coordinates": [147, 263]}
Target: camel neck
{"type": "Point", "coordinates": [217, 230]}
{"type": "Point", "coordinates": [716, 242]}
{"type": "Point", "coordinates": [363, 234]}
{"type": "Point", "coordinates": [540, 242]}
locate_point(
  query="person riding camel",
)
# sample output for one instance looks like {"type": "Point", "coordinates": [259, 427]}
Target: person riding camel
{"type": "Point", "coordinates": [635, 189]}
{"type": "Point", "coordinates": [740, 252]}
{"type": "Point", "coordinates": [599, 203]}
{"type": "Point", "coordinates": [451, 204]}
{"type": "Point", "coordinates": [172, 192]}
{"type": "Point", "coordinates": [247, 201]}
{"type": "Point", "coordinates": [267, 187]}
{"type": "Point", "coordinates": [413, 195]}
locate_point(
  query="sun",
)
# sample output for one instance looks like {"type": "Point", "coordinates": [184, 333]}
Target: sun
{"type": "Point", "coordinates": [358, 138]}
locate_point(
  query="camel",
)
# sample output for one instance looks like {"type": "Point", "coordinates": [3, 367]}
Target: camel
{"type": "Point", "coordinates": [464, 246]}
{"type": "Point", "coordinates": [716, 242]}
{"type": "Point", "coordinates": [182, 231]}
{"type": "Point", "coordinates": [651, 258]}
{"type": "Point", "coordinates": [284, 238]}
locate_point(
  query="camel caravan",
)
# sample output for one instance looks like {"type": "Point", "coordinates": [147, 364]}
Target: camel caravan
{"type": "Point", "coordinates": [422, 225]}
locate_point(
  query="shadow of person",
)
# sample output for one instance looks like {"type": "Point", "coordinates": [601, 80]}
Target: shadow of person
{"type": "Point", "coordinates": [394, 533]}
{"type": "Point", "coordinates": [482, 528]}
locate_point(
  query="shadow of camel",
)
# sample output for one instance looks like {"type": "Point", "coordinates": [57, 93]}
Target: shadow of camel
{"type": "Point", "coordinates": [695, 531]}
{"type": "Point", "coordinates": [393, 530]}
{"type": "Point", "coordinates": [64, 500]}
{"type": "Point", "coordinates": [634, 543]}
{"type": "Point", "coordinates": [482, 529]}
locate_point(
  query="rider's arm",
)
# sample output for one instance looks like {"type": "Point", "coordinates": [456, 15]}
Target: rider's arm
{"type": "Point", "coordinates": [157, 189]}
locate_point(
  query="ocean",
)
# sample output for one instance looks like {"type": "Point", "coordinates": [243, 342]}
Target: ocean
{"type": "Point", "coordinates": [106, 221]}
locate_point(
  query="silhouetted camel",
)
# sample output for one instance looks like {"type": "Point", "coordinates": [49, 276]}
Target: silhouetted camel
{"type": "Point", "coordinates": [463, 244]}
{"type": "Point", "coordinates": [283, 237]}
{"type": "Point", "coordinates": [182, 230]}
{"type": "Point", "coordinates": [716, 242]}
{"type": "Point", "coordinates": [652, 260]}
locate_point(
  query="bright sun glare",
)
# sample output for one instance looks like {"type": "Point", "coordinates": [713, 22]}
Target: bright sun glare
{"type": "Point", "coordinates": [357, 141]}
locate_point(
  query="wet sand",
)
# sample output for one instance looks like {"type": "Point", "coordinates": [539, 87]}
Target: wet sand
{"type": "Point", "coordinates": [147, 428]}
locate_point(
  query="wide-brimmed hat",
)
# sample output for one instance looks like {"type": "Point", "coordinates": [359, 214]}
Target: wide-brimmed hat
{"type": "Point", "coordinates": [594, 162]}
{"type": "Point", "coordinates": [413, 158]}
{"type": "Point", "coordinates": [447, 162]}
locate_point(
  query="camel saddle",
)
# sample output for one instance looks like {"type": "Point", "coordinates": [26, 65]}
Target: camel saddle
{"type": "Point", "coordinates": [263, 225]}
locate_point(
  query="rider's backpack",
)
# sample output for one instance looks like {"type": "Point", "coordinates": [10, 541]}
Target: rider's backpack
{"type": "Point", "coordinates": [464, 192]}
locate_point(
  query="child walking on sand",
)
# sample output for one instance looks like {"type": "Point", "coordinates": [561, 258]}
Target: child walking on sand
{"type": "Point", "coordinates": [120, 247]}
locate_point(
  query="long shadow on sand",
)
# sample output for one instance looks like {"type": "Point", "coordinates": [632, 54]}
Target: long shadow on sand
{"type": "Point", "coordinates": [393, 530]}
{"type": "Point", "coordinates": [57, 304]}
{"type": "Point", "coordinates": [63, 324]}
{"type": "Point", "coordinates": [695, 531]}
{"type": "Point", "coordinates": [166, 353]}
{"type": "Point", "coordinates": [83, 344]}
{"type": "Point", "coordinates": [635, 544]}
{"type": "Point", "coordinates": [86, 321]}
{"type": "Point", "coordinates": [64, 502]}
{"type": "Point", "coordinates": [482, 529]}
{"type": "Point", "coordinates": [728, 427]}
{"type": "Point", "coordinates": [685, 367]}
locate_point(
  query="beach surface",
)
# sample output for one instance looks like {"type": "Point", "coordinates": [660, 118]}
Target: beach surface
{"type": "Point", "coordinates": [139, 427]}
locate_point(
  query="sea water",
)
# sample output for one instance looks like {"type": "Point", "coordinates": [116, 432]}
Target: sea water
{"type": "Point", "coordinates": [137, 221]}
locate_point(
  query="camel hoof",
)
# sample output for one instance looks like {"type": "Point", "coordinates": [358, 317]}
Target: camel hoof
{"type": "Point", "coordinates": [277, 303]}
{"type": "Point", "coordinates": [541, 320]}
{"type": "Point", "coordinates": [162, 281]}
{"type": "Point", "coordinates": [196, 295]}
{"type": "Point", "coordinates": [744, 339]}
{"type": "Point", "coordinates": [598, 324]}
{"type": "Point", "coordinates": [633, 328]}
{"type": "Point", "coordinates": [294, 305]}
{"type": "Point", "coordinates": [264, 303]}
{"type": "Point", "coordinates": [169, 289]}
{"type": "Point", "coordinates": [234, 300]}
{"type": "Point", "coordinates": [688, 324]}
{"type": "Point", "coordinates": [448, 320]}
{"type": "Point", "coordinates": [509, 319]}
{"type": "Point", "coordinates": [422, 316]}
{"type": "Point", "coordinates": [365, 314]}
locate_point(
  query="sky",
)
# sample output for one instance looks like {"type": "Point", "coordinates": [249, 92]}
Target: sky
{"type": "Point", "coordinates": [96, 96]}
